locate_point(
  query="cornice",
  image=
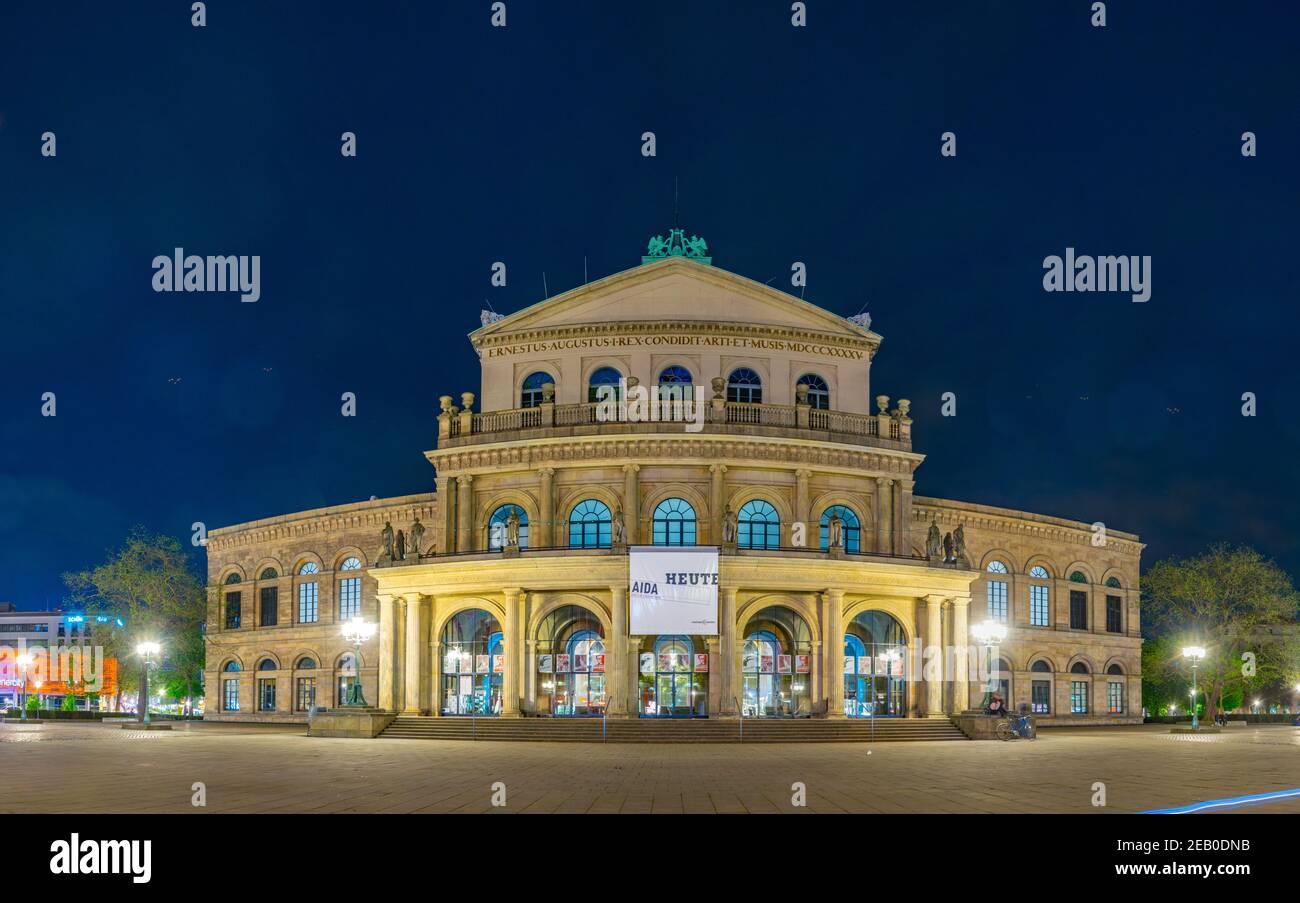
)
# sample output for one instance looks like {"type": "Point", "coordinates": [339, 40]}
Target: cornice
{"type": "Point", "coordinates": [729, 449]}
{"type": "Point", "coordinates": [679, 327]}
{"type": "Point", "coordinates": [323, 520]}
{"type": "Point", "coordinates": [1023, 522]}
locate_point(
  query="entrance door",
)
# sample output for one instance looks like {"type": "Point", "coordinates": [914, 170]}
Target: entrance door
{"type": "Point", "coordinates": [673, 696]}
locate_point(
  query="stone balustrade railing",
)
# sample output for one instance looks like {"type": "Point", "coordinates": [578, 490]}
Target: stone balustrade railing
{"type": "Point", "coordinates": [459, 423]}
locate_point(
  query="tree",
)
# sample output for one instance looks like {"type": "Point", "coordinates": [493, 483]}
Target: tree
{"type": "Point", "coordinates": [151, 585]}
{"type": "Point", "coordinates": [1238, 605]}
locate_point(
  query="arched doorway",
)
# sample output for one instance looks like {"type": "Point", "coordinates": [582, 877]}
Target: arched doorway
{"type": "Point", "coordinates": [473, 664]}
{"type": "Point", "coordinates": [571, 663]}
{"type": "Point", "coordinates": [674, 677]}
{"type": "Point", "coordinates": [775, 667]}
{"type": "Point", "coordinates": [875, 665]}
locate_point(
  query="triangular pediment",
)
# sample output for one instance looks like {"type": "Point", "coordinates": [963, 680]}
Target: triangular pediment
{"type": "Point", "coordinates": [674, 290]}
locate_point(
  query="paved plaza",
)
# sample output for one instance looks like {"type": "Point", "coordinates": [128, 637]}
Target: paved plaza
{"type": "Point", "coordinates": [87, 768]}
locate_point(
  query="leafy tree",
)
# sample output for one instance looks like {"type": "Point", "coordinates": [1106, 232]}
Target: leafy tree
{"type": "Point", "coordinates": [153, 586]}
{"type": "Point", "coordinates": [69, 703]}
{"type": "Point", "coordinates": [33, 703]}
{"type": "Point", "coordinates": [1238, 605]}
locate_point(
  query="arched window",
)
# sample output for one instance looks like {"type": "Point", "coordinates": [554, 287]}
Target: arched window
{"type": "Point", "coordinates": [819, 394]}
{"type": "Point", "coordinates": [1040, 690]}
{"type": "Point", "coordinates": [605, 376]}
{"type": "Point", "coordinates": [266, 686]}
{"type": "Point", "coordinates": [776, 664]}
{"type": "Point", "coordinates": [499, 527]}
{"type": "Point", "coordinates": [308, 594]}
{"type": "Point", "coordinates": [570, 656]}
{"type": "Point", "coordinates": [270, 574]}
{"type": "Point", "coordinates": [473, 664]}
{"type": "Point", "coordinates": [233, 578]}
{"type": "Point", "coordinates": [745, 385]}
{"type": "Point", "coordinates": [996, 592]}
{"type": "Point", "coordinates": [345, 678]}
{"type": "Point", "coordinates": [673, 682]}
{"type": "Point", "coordinates": [875, 649]}
{"type": "Point", "coordinates": [231, 665]}
{"type": "Point", "coordinates": [1078, 668]}
{"type": "Point", "coordinates": [1078, 577]}
{"type": "Point", "coordinates": [1112, 582]}
{"type": "Point", "coordinates": [304, 687]}
{"type": "Point", "coordinates": [997, 567]}
{"type": "Point", "coordinates": [674, 523]}
{"type": "Point", "coordinates": [758, 526]}
{"type": "Point", "coordinates": [590, 525]}
{"type": "Point", "coordinates": [1079, 690]}
{"type": "Point", "coordinates": [674, 375]}
{"type": "Point", "coordinates": [1115, 669]}
{"type": "Point", "coordinates": [851, 525]}
{"type": "Point", "coordinates": [308, 567]}
{"type": "Point", "coordinates": [530, 395]}
{"type": "Point", "coordinates": [1040, 598]}
{"type": "Point", "coordinates": [1001, 678]}
{"type": "Point", "coordinates": [267, 664]}
{"type": "Point", "coordinates": [350, 564]}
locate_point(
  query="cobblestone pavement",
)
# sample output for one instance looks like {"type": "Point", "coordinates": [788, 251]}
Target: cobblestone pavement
{"type": "Point", "coordinates": [77, 768]}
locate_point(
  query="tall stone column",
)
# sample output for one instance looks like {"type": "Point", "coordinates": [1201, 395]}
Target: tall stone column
{"type": "Point", "coordinates": [417, 628]}
{"type": "Point", "coordinates": [961, 655]}
{"type": "Point", "coordinates": [833, 650]}
{"type": "Point", "coordinates": [801, 502]}
{"type": "Point", "coordinates": [632, 503]}
{"type": "Point", "coordinates": [900, 543]}
{"type": "Point", "coordinates": [716, 669]}
{"type": "Point", "coordinates": [933, 651]}
{"type": "Point", "coordinates": [616, 671]}
{"type": "Point", "coordinates": [388, 658]}
{"type": "Point", "coordinates": [514, 654]}
{"type": "Point", "coordinates": [530, 674]}
{"type": "Point", "coordinates": [445, 529]}
{"type": "Point", "coordinates": [716, 505]}
{"type": "Point", "coordinates": [884, 515]}
{"type": "Point", "coordinates": [546, 504]}
{"type": "Point", "coordinates": [729, 671]}
{"type": "Point", "coordinates": [464, 514]}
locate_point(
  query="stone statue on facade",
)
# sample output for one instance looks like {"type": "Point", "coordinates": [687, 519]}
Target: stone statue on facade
{"type": "Point", "coordinates": [728, 526]}
{"type": "Point", "coordinates": [835, 532]}
{"type": "Point", "coordinates": [947, 549]}
{"type": "Point", "coordinates": [386, 539]}
{"type": "Point", "coordinates": [400, 546]}
{"type": "Point", "coordinates": [619, 528]}
{"type": "Point", "coordinates": [959, 545]}
{"type": "Point", "coordinates": [417, 537]}
{"type": "Point", "coordinates": [512, 529]}
{"type": "Point", "coordinates": [932, 542]}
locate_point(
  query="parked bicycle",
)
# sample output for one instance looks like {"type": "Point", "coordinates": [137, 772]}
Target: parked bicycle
{"type": "Point", "coordinates": [1017, 727]}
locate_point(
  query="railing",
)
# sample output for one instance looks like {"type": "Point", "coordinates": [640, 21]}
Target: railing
{"type": "Point", "coordinates": [895, 425]}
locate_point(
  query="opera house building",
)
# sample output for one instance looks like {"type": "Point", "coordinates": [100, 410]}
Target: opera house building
{"type": "Point", "coordinates": [674, 493]}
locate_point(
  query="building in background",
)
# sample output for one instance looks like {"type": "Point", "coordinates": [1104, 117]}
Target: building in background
{"type": "Point", "coordinates": [38, 632]}
{"type": "Point", "coordinates": [508, 592]}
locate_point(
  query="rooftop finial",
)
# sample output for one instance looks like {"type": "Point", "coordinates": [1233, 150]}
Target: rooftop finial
{"type": "Point", "coordinates": [677, 245]}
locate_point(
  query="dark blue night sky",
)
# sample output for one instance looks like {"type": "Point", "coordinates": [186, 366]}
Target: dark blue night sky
{"type": "Point", "coordinates": [522, 144]}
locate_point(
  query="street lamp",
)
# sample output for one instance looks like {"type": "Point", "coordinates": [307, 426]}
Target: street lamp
{"type": "Point", "coordinates": [356, 631]}
{"type": "Point", "coordinates": [1195, 654]}
{"type": "Point", "coordinates": [990, 633]}
{"type": "Point", "coordinates": [24, 660]}
{"type": "Point", "coordinates": [146, 651]}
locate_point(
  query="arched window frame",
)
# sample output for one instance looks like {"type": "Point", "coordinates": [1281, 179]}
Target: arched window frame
{"type": "Point", "coordinates": [758, 525]}
{"type": "Point", "coordinates": [497, 538]}
{"type": "Point", "coordinates": [530, 391]}
{"type": "Point", "coordinates": [745, 385]}
{"type": "Point", "coordinates": [819, 391]}
{"type": "Point", "coordinates": [852, 528]}
{"type": "Point", "coordinates": [590, 525]}
{"type": "Point", "coordinates": [604, 376]}
{"type": "Point", "coordinates": [674, 523]}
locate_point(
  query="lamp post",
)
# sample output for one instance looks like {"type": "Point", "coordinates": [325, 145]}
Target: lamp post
{"type": "Point", "coordinates": [356, 631]}
{"type": "Point", "coordinates": [24, 662]}
{"type": "Point", "coordinates": [1194, 654]}
{"type": "Point", "coordinates": [990, 633]}
{"type": "Point", "coordinates": [146, 651]}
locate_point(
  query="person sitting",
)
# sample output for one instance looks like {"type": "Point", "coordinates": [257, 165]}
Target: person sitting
{"type": "Point", "coordinates": [996, 706]}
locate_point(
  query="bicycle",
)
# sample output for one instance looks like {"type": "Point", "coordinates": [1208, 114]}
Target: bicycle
{"type": "Point", "coordinates": [1017, 728]}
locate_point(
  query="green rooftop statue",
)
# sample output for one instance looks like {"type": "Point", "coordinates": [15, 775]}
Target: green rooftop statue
{"type": "Point", "coordinates": [677, 245]}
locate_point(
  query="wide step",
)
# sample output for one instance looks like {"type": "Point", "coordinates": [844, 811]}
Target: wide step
{"type": "Point", "coordinates": [645, 730]}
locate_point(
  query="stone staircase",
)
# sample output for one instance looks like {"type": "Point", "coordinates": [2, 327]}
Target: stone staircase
{"type": "Point", "coordinates": [674, 730]}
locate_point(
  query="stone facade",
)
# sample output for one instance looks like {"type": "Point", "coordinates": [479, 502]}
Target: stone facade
{"type": "Point", "coordinates": [813, 443]}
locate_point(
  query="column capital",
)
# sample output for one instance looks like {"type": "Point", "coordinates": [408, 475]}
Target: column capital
{"type": "Point", "coordinates": [546, 471]}
{"type": "Point", "coordinates": [618, 589]}
{"type": "Point", "coordinates": [962, 601]}
{"type": "Point", "coordinates": [835, 595]}
{"type": "Point", "coordinates": [884, 481]}
{"type": "Point", "coordinates": [935, 600]}
{"type": "Point", "coordinates": [717, 468]}
{"type": "Point", "coordinates": [512, 593]}
{"type": "Point", "coordinates": [631, 468]}
{"type": "Point", "coordinates": [465, 479]}
{"type": "Point", "coordinates": [803, 473]}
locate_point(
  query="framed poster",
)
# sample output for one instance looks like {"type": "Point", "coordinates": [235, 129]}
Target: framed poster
{"type": "Point", "coordinates": [783, 664]}
{"type": "Point", "coordinates": [665, 661]}
{"type": "Point", "coordinates": [850, 664]}
{"type": "Point", "coordinates": [647, 663]}
{"type": "Point", "coordinates": [673, 590]}
{"type": "Point", "coordinates": [598, 661]}
{"type": "Point", "coordinates": [451, 664]}
{"type": "Point", "coordinates": [481, 664]}
{"type": "Point", "coordinates": [580, 662]}
{"type": "Point", "coordinates": [562, 662]}
{"type": "Point", "coordinates": [701, 662]}
{"type": "Point", "coordinates": [498, 664]}
{"type": "Point", "coordinates": [896, 667]}
{"type": "Point", "coordinates": [866, 663]}
{"type": "Point", "coordinates": [749, 661]}
{"type": "Point", "coordinates": [801, 664]}
{"type": "Point", "coordinates": [546, 663]}
{"type": "Point", "coordinates": [466, 685]}
{"type": "Point", "coordinates": [766, 664]}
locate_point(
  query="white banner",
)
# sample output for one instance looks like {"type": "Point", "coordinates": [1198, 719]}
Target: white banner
{"type": "Point", "coordinates": [673, 590]}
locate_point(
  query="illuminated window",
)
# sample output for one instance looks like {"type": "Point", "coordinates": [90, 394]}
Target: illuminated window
{"type": "Point", "coordinates": [590, 526]}
{"type": "Point", "coordinates": [605, 376]}
{"type": "Point", "coordinates": [744, 385]}
{"type": "Point", "coordinates": [674, 523]}
{"type": "Point", "coordinates": [758, 526]}
{"type": "Point", "coordinates": [819, 394]}
{"type": "Point", "coordinates": [852, 528]}
{"type": "Point", "coordinates": [530, 395]}
{"type": "Point", "coordinates": [499, 529]}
